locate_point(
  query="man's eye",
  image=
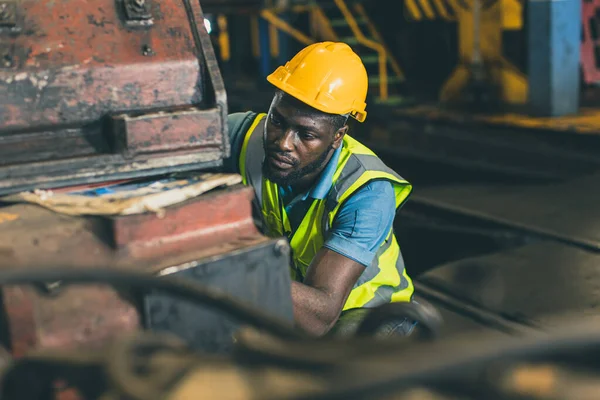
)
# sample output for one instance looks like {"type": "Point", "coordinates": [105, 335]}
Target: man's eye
{"type": "Point", "coordinates": [307, 136]}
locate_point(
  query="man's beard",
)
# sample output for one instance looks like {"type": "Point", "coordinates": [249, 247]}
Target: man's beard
{"type": "Point", "coordinates": [284, 178]}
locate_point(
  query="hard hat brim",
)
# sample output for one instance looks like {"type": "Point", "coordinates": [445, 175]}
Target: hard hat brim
{"type": "Point", "coordinates": [274, 80]}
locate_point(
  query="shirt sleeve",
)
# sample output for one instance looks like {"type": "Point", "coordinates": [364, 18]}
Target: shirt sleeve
{"type": "Point", "coordinates": [363, 222]}
{"type": "Point", "coordinates": [238, 124]}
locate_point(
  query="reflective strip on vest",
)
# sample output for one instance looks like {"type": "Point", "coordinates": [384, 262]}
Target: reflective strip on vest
{"type": "Point", "coordinates": [251, 167]}
{"type": "Point", "coordinates": [385, 280]}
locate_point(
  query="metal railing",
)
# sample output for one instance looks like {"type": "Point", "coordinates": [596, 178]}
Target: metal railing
{"type": "Point", "coordinates": [360, 10]}
{"type": "Point", "coordinates": [284, 26]}
{"type": "Point", "coordinates": [363, 40]}
{"type": "Point", "coordinates": [324, 24]}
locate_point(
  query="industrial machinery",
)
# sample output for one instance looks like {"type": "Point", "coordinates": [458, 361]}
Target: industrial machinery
{"type": "Point", "coordinates": [112, 130]}
{"type": "Point", "coordinates": [126, 257]}
{"type": "Point", "coordinates": [106, 96]}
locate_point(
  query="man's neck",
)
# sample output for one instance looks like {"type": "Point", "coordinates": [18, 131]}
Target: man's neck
{"type": "Point", "coordinates": [302, 186]}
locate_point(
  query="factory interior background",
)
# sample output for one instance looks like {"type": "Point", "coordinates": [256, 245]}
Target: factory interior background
{"type": "Point", "coordinates": [489, 108]}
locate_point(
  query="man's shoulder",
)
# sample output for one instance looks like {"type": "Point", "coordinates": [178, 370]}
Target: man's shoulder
{"type": "Point", "coordinates": [240, 121]}
{"type": "Point", "coordinates": [363, 222]}
{"type": "Point", "coordinates": [237, 125]}
{"type": "Point", "coordinates": [357, 148]}
{"type": "Point", "coordinates": [373, 194]}
{"type": "Point", "coordinates": [364, 159]}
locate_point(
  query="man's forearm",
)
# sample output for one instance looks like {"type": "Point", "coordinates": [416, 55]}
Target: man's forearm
{"type": "Point", "coordinates": [315, 311]}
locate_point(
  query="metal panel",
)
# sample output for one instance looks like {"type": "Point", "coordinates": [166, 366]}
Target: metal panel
{"type": "Point", "coordinates": [212, 219]}
{"type": "Point", "coordinates": [74, 65]}
{"type": "Point", "coordinates": [201, 233]}
{"type": "Point", "coordinates": [191, 129]}
{"type": "Point", "coordinates": [255, 270]}
{"type": "Point", "coordinates": [80, 317]}
{"type": "Point", "coordinates": [259, 275]}
{"type": "Point", "coordinates": [76, 61]}
{"type": "Point", "coordinates": [34, 236]}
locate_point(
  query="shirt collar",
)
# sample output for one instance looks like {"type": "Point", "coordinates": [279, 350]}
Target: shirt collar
{"type": "Point", "coordinates": [322, 186]}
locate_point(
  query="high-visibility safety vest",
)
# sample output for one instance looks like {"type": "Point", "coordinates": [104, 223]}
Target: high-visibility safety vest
{"type": "Point", "coordinates": [385, 280]}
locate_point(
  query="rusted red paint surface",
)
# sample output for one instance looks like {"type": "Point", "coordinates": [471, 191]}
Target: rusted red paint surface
{"type": "Point", "coordinates": [212, 224]}
{"type": "Point", "coordinates": [76, 61]}
{"type": "Point", "coordinates": [169, 131]}
{"type": "Point", "coordinates": [51, 145]}
{"type": "Point", "coordinates": [42, 237]}
{"type": "Point", "coordinates": [20, 312]}
{"type": "Point", "coordinates": [85, 320]}
{"type": "Point", "coordinates": [74, 64]}
{"type": "Point", "coordinates": [204, 222]}
{"type": "Point", "coordinates": [71, 68]}
{"type": "Point", "coordinates": [74, 319]}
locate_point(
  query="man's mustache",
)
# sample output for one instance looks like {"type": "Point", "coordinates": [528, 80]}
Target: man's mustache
{"type": "Point", "coordinates": [281, 156]}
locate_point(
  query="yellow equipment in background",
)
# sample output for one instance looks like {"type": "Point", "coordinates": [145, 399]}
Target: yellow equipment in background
{"type": "Point", "coordinates": [363, 33]}
{"type": "Point", "coordinates": [480, 28]}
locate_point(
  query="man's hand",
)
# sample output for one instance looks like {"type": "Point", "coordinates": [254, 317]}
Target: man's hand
{"type": "Point", "coordinates": [319, 300]}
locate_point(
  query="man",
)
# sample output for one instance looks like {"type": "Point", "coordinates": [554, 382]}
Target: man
{"type": "Point", "coordinates": [330, 195]}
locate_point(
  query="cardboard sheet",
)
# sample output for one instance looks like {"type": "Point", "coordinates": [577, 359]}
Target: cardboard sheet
{"type": "Point", "coordinates": [128, 198]}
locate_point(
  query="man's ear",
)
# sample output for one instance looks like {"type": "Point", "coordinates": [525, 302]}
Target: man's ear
{"type": "Point", "coordinates": [339, 136]}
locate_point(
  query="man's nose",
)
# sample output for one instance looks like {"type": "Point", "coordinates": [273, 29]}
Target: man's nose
{"type": "Point", "coordinates": [286, 141]}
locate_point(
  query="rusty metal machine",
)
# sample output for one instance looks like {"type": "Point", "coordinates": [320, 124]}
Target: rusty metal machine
{"type": "Point", "coordinates": [111, 93]}
{"type": "Point", "coordinates": [114, 91]}
{"type": "Point", "coordinates": [126, 88]}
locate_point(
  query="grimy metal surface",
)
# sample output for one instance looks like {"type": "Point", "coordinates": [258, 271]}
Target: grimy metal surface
{"type": "Point", "coordinates": [567, 211]}
{"type": "Point", "coordinates": [92, 91]}
{"type": "Point", "coordinates": [33, 236]}
{"type": "Point", "coordinates": [100, 91]}
{"type": "Point", "coordinates": [81, 317]}
{"type": "Point", "coordinates": [257, 274]}
{"type": "Point", "coordinates": [209, 227]}
{"type": "Point", "coordinates": [255, 271]}
{"type": "Point", "coordinates": [532, 285]}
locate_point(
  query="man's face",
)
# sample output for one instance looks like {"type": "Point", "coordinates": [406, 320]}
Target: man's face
{"type": "Point", "coordinates": [298, 143]}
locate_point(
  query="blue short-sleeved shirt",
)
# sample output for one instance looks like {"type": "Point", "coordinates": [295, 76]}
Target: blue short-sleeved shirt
{"type": "Point", "coordinates": [362, 222]}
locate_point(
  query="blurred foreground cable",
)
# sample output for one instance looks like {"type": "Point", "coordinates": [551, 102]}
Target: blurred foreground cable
{"type": "Point", "coordinates": [149, 367]}
{"type": "Point", "coordinates": [183, 289]}
{"type": "Point", "coordinates": [547, 381]}
{"type": "Point", "coordinates": [401, 367]}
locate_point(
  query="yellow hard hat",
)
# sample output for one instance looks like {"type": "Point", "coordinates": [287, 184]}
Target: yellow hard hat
{"type": "Point", "coordinates": [327, 76]}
